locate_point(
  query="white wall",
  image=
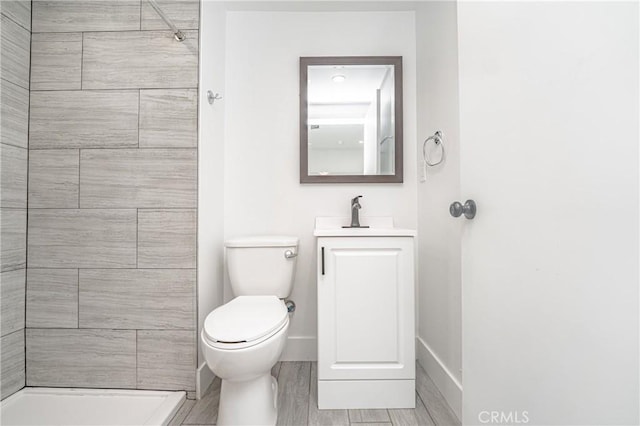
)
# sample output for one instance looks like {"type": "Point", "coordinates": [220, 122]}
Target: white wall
{"type": "Point", "coordinates": [262, 190]}
{"type": "Point", "coordinates": [262, 193]}
{"type": "Point", "coordinates": [210, 171]}
{"type": "Point", "coordinates": [549, 149]}
{"type": "Point", "coordinates": [439, 343]}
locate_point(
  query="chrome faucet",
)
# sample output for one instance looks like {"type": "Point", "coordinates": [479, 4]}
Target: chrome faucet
{"type": "Point", "coordinates": [355, 212]}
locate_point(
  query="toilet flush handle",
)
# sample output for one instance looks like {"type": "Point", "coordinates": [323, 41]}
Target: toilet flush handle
{"type": "Point", "coordinates": [289, 254]}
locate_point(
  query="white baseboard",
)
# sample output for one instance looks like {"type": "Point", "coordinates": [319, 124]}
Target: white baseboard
{"type": "Point", "coordinates": [300, 348]}
{"type": "Point", "coordinates": [448, 385]}
{"type": "Point", "coordinates": [204, 378]}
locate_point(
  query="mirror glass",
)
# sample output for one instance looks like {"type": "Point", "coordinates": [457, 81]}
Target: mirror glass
{"type": "Point", "coordinates": [351, 119]}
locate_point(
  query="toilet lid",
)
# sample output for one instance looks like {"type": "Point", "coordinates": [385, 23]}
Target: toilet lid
{"type": "Point", "coordinates": [245, 318]}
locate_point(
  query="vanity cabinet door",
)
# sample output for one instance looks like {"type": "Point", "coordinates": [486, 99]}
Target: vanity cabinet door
{"type": "Point", "coordinates": [366, 325]}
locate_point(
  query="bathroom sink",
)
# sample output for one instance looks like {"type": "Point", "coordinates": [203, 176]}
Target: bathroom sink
{"type": "Point", "coordinates": [378, 227]}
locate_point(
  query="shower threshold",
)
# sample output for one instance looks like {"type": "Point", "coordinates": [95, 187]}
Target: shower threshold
{"type": "Point", "coordinates": [84, 407]}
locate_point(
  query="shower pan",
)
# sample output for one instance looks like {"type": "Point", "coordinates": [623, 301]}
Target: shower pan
{"type": "Point", "coordinates": [83, 407]}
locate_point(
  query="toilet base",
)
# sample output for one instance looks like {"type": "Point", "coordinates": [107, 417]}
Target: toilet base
{"type": "Point", "coordinates": [251, 402]}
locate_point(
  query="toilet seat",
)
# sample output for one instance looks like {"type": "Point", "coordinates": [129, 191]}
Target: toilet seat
{"type": "Point", "coordinates": [245, 321]}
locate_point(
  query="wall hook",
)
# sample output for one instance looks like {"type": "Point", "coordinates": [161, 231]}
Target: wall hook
{"type": "Point", "coordinates": [212, 98]}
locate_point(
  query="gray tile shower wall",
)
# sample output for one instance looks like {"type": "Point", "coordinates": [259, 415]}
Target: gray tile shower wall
{"type": "Point", "coordinates": [112, 195]}
{"type": "Point", "coordinates": [82, 238]}
{"type": "Point", "coordinates": [52, 298]}
{"type": "Point", "coordinates": [57, 61]}
{"type": "Point", "coordinates": [15, 42]}
{"type": "Point", "coordinates": [152, 299]}
{"type": "Point", "coordinates": [83, 119]}
{"type": "Point", "coordinates": [13, 371]}
{"type": "Point", "coordinates": [142, 178]}
{"type": "Point", "coordinates": [54, 178]}
{"type": "Point", "coordinates": [56, 16]}
{"type": "Point", "coordinates": [19, 11]}
{"type": "Point", "coordinates": [81, 358]}
{"type": "Point", "coordinates": [117, 60]}
{"type": "Point", "coordinates": [15, 113]}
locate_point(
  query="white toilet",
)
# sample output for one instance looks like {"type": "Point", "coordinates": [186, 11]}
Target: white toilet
{"type": "Point", "coordinates": [244, 338]}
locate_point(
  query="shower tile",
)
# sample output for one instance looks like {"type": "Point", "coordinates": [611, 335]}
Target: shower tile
{"type": "Point", "coordinates": [143, 178]}
{"type": "Point", "coordinates": [12, 287]}
{"type": "Point", "coordinates": [94, 15]}
{"type": "Point", "coordinates": [145, 59]}
{"type": "Point", "coordinates": [137, 298]}
{"type": "Point", "coordinates": [13, 174]}
{"type": "Point", "coordinates": [14, 117]}
{"type": "Point", "coordinates": [17, 10]}
{"type": "Point", "coordinates": [52, 298]}
{"type": "Point", "coordinates": [12, 363]}
{"type": "Point", "coordinates": [84, 119]}
{"type": "Point", "coordinates": [15, 44]}
{"type": "Point", "coordinates": [169, 118]}
{"type": "Point", "coordinates": [185, 14]}
{"type": "Point", "coordinates": [167, 238]}
{"type": "Point", "coordinates": [81, 358]}
{"type": "Point", "coordinates": [54, 178]}
{"type": "Point", "coordinates": [166, 359]}
{"type": "Point", "coordinates": [56, 61]}
{"type": "Point", "coordinates": [72, 238]}
{"type": "Point", "coordinates": [13, 230]}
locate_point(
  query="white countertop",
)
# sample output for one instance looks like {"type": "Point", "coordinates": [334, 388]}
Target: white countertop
{"type": "Point", "coordinates": [379, 227]}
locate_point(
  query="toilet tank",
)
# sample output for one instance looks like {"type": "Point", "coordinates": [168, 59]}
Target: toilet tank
{"type": "Point", "coordinates": [259, 266]}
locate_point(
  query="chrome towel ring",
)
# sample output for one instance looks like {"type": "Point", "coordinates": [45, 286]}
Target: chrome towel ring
{"type": "Point", "coordinates": [437, 139]}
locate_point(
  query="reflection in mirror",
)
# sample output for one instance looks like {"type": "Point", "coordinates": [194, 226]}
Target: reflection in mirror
{"type": "Point", "coordinates": [350, 119]}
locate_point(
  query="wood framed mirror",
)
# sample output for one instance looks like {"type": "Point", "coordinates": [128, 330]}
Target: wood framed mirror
{"type": "Point", "coordinates": [351, 119]}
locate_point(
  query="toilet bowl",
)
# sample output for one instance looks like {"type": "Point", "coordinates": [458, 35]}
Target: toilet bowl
{"type": "Point", "coordinates": [244, 338]}
{"type": "Point", "coordinates": [242, 341]}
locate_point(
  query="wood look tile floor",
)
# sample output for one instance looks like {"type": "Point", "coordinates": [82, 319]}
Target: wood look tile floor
{"type": "Point", "coordinates": [298, 403]}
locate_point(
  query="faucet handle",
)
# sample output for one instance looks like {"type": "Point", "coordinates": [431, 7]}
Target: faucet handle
{"type": "Point", "coordinates": [355, 219]}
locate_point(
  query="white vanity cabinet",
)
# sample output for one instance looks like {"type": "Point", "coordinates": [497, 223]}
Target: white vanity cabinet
{"type": "Point", "coordinates": [366, 323]}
